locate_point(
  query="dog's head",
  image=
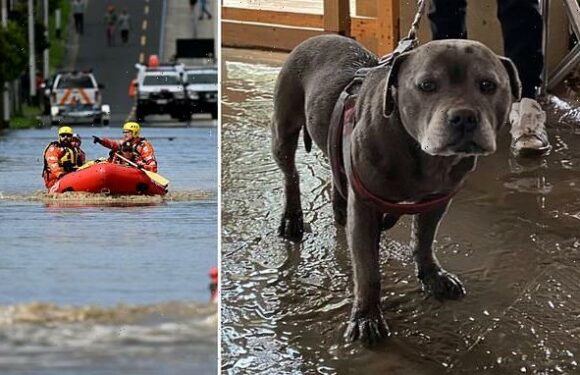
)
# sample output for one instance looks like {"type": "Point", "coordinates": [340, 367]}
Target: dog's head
{"type": "Point", "coordinates": [452, 96]}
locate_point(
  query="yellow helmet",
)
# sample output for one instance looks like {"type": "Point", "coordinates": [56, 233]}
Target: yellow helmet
{"type": "Point", "coordinates": [65, 130]}
{"type": "Point", "coordinates": [133, 127]}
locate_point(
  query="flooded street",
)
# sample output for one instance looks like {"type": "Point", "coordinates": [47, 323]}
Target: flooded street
{"type": "Point", "coordinates": [512, 235]}
{"type": "Point", "coordinates": [97, 285]}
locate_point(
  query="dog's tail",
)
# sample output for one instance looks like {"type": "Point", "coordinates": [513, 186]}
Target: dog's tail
{"type": "Point", "coordinates": [307, 140]}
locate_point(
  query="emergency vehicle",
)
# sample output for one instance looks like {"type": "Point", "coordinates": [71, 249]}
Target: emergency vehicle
{"type": "Point", "coordinates": [76, 97]}
{"type": "Point", "coordinates": [202, 90]}
{"type": "Point", "coordinates": [160, 90]}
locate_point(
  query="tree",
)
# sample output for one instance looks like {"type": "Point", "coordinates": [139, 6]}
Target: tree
{"type": "Point", "coordinates": [13, 52]}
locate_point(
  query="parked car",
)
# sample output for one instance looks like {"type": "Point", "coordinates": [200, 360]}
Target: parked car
{"type": "Point", "coordinates": [160, 91]}
{"type": "Point", "coordinates": [201, 87]}
{"type": "Point", "coordinates": [76, 97]}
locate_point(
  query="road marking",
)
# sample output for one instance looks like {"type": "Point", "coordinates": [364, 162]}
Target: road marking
{"type": "Point", "coordinates": [146, 9]}
{"type": "Point", "coordinates": [141, 58]}
{"type": "Point", "coordinates": [143, 40]}
{"type": "Point", "coordinates": [144, 25]}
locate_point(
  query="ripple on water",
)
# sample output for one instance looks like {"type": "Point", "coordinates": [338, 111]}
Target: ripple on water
{"type": "Point", "coordinates": [52, 336]}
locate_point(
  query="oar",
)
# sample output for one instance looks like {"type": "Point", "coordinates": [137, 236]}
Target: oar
{"type": "Point", "coordinates": [160, 180]}
{"type": "Point", "coordinates": [90, 163]}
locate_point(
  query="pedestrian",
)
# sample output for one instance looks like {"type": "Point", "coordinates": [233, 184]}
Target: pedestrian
{"type": "Point", "coordinates": [132, 147]}
{"type": "Point", "coordinates": [61, 157]}
{"type": "Point", "coordinates": [124, 25]}
{"type": "Point", "coordinates": [521, 24]}
{"type": "Point", "coordinates": [79, 16]}
{"type": "Point", "coordinates": [204, 10]}
{"type": "Point", "coordinates": [110, 22]}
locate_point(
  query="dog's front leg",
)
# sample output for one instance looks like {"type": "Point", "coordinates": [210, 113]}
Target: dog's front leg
{"type": "Point", "coordinates": [435, 280]}
{"type": "Point", "coordinates": [363, 234]}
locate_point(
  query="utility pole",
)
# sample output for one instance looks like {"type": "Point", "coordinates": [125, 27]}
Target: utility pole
{"type": "Point", "coordinates": [216, 45]}
{"type": "Point", "coordinates": [32, 63]}
{"type": "Point", "coordinates": [57, 23]}
{"type": "Point", "coordinates": [46, 70]}
{"type": "Point", "coordinates": [5, 93]}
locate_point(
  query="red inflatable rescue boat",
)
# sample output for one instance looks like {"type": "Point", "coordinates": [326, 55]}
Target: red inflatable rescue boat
{"type": "Point", "coordinates": [109, 178]}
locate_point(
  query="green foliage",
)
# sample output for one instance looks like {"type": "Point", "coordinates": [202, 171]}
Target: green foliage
{"type": "Point", "coordinates": [28, 118]}
{"type": "Point", "coordinates": [53, 4]}
{"type": "Point", "coordinates": [13, 52]}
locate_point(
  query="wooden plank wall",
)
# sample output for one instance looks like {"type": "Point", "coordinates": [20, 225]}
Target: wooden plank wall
{"type": "Point", "coordinates": [283, 30]}
{"type": "Point", "coordinates": [378, 24]}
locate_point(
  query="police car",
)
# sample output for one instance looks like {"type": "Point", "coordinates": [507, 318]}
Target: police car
{"type": "Point", "coordinates": [201, 88]}
{"type": "Point", "coordinates": [76, 97]}
{"type": "Point", "coordinates": [159, 91]}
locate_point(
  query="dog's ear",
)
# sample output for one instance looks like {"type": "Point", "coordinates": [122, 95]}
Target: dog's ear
{"type": "Point", "coordinates": [515, 83]}
{"type": "Point", "coordinates": [390, 94]}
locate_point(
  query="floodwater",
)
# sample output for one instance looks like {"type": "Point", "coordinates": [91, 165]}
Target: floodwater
{"type": "Point", "coordinates": [512, 235]}
{"type": "Point", "coordinates": [93, 284]}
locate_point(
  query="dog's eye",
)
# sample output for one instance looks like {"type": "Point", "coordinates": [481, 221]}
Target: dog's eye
{"type": "Point", "coordinates": [487, 87]}
{"type": "Point", "coordinates": [427, 86]}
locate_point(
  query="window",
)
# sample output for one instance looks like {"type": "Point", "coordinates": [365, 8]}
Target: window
{"type": "Point", "coordinates": [75, 82]}
{"type": "Point", "coordinates": [197, 78]}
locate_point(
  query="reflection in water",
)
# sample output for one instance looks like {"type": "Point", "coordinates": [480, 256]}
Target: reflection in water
{"type": "Point", "coordinates": [511, 235]}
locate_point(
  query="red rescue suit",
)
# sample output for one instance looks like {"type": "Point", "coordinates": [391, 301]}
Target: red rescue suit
{"type": "Point", "coordinates": [60, 160]}
{"type": "Point", "coordinates": [138, 150]}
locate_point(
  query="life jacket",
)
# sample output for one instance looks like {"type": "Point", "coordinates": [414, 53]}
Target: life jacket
{"type": "Point", "coordinates": [131, 148]}
{"type": "Point", "coordinates": [68, 162]}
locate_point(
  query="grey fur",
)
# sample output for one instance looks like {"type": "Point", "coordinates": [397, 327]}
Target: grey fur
{"type": "Point", "coordinates": [408, 145]}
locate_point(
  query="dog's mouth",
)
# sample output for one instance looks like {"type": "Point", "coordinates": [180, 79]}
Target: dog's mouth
{"type": "Point", "coordinates": [462, 147]}
{"type": "Point", "coordinates": [467, 147]}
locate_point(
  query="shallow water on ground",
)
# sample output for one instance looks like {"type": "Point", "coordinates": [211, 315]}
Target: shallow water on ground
{"type": "Point", "coordinates": [511, 235]}
{"type": "Point", "coordinates": [96, 284]}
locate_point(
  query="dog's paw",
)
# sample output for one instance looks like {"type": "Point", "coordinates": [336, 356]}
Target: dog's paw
{"type": "Point", "coordinates": [368, 330]}
{"type": "Point", "coordinates": [292, 226]}
{"type": "Point", "coordinates": [442, 284]}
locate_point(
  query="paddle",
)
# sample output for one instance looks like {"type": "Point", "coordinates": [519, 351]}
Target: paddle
{"type": "Point", "coordinates": [90, 163]}
{"type": "Point", "coordinates": [158, 179]}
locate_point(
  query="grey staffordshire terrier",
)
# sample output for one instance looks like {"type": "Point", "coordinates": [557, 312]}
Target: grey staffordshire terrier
{"type": "Point", "coordinates": [420, 127]}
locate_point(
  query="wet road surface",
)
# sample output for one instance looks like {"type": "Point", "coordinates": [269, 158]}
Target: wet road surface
{"type": "Point", "coordinates": [511, 235]}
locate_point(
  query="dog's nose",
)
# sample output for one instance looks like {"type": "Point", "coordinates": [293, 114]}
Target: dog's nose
{"type": "Point", "coordinates": [462, 119]}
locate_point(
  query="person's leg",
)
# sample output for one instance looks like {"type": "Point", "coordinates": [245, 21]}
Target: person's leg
{"type": "Point", "coordinates": [521, 24]}
{"type": "Point", "coordinates": [82, 23]}
{"type": "Point", "coordinates": [447, 18]}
